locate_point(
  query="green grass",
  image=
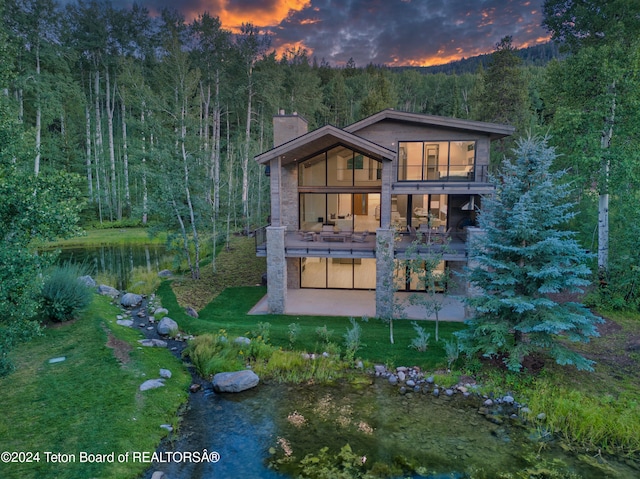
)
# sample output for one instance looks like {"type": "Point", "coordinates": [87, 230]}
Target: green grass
{"type": "Point", "coordinates": [229, 310]}
{"type": "Point", "coordinates": [88, 403]}
{"type": "Point", "coordinates": [116, 236]}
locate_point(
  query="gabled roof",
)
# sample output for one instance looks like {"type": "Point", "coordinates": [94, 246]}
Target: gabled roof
{"type": "Point", "coordinates": [494, 130]}
{"type": "Point", "coordinates": [322, 139]}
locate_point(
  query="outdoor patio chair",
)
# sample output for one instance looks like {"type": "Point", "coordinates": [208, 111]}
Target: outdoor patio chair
{"type": "Point", "coordinates": [360, 236]}
{"type": "Point", "coordinates": [307, 235]}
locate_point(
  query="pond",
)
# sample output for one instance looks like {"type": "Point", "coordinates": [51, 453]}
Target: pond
{"type": "Point", "coordinates": [117, 265]}
{"type": "Point", "coordinates": [265, 432]}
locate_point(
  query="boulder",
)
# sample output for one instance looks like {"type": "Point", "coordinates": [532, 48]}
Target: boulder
{"type": "Point", "coordinates": [191, 312]}
{"type": "Point", "coordinates": [235, 382]}
{"type": "Point", "coordinates": [242, 340]}
{"type": "Point", "coordinates": [167, 326]}
{"type": "Point", "coordinates": [165, 373]}
{"type": "Point", "coordinates": [165, 273]}
{"type": "Point", "coordinates": [152, 384]}
{"type": "Point", "coordinates": [160, 312]}
{"type": "Point", "coordinates": [105, 290]}
{"type": "Point", "coordinates": [153, 343]}
{"type": "Point", "coordinates": [130, 300]}
{"type": "Point", "coordinates": [125, 322]}
{"type": "Point", "coordinates": [88, 281]}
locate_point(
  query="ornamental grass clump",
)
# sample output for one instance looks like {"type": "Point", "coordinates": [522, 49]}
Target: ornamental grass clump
{"type": "Point", "coordinates": [64, 296]}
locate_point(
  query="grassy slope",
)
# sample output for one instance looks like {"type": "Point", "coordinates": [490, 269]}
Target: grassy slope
{"type": "Point", "coordinates": [90, 402]}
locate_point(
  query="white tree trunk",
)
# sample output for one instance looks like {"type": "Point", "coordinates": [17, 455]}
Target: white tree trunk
{"type": "Point", "coordinates": [87, 118]}
{"type": "Point", "coordinates": [603, 203]}
{"type": "Point", "coordinates": [110, 100]}
{"type": "Point", "coordinates": [245, 158]}
{"type": "Point", "coordinates": [98, 150]}
{"type": "Point", "coordinates": [195, 268]}
{"type": "Point", "coordinates": [145, 194]}
{"type": "Point", "coordinates": [38, 116]}
{"type": "Point", "coordinates": [125, 157]}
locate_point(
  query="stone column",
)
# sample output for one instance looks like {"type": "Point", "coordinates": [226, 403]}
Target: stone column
{"type": "Point", "coordinates": [385, 239]}
{"type": "Point", "coordinates": [276, 270]}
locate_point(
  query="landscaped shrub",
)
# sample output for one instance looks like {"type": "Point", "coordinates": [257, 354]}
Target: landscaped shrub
{"type": "Point", "coordinates": [63, 295]}
{"type": "Point", "coordinates": [353, 339]}
{"type": "Point", "coordinates": [324, 334]}
{"type": "Point", "coordinates": [421, 341]}
{"type": "Point", "coordinates": [294, 332]}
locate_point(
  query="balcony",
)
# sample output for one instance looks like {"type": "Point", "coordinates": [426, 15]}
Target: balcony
{"type": "Point", "coordinates": [452, 245]}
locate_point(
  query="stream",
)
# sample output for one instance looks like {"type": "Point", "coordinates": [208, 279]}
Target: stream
{"type": "Point", "coordinates": [415, 435]}
{"type": "Point", "coordinates": [265, 432]}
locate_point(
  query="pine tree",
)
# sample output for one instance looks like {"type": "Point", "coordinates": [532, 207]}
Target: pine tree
{"type": "Point", "coordinates": [523, 261]}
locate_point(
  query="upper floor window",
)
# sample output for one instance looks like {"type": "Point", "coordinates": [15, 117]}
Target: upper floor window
{"type": "Point", "coordinates": [436, 160]}
{"type": "Point", "coordinates": [340, 166]}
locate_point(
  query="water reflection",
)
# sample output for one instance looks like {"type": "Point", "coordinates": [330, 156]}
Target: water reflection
{"type": "Point", "coordinates": [415, 434]}
{"type": "Point", "coordinates": [117, 263]}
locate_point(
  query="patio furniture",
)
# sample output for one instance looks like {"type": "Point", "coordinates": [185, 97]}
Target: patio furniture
{"type": "Point", "coordinates": [360, 236]}
{"type": "Point", "coordinates": [329, 233]}
{"type": "Point", "coordinates": [307, 235]}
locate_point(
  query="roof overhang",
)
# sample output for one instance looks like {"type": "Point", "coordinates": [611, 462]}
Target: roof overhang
{"type": "Point", "coordinates": [322, 139]}
{"type": "Point", "coordinates": [493, 130]}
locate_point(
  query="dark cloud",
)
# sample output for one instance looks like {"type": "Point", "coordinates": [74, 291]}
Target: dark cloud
{"type": "Point", "coordinates": [394, 32]}
{"type": "Point", "coordinates": [410, 31]}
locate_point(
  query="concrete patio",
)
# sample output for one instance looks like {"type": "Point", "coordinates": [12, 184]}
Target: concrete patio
{"type": "Point", "coordinates": [331, 302]}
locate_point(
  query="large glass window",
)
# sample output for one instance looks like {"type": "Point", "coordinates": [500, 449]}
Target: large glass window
{"type": "Point", "coordinates": [338, 273]}
{"type": "Point", "coordinates": [346, 211]}
{"type": "Point", "coordinates": [412, 278]}
{"type": "Point", "coordinates": [417, 210]}
{"type": "Point", "coordinates": [340, 166]}
{"type": "Point", "coordinates": [436, 161]}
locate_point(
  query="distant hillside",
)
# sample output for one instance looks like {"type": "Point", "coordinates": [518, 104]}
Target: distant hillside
{"type": "Point", "coordinates": [538, 55]}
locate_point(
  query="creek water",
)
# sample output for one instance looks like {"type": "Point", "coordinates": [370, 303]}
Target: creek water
{"type": "Point", "coordinates": [265, 432]}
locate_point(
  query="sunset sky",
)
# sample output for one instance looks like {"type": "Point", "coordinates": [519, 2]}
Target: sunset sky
{"type": "Point", "coordinates": [390, 32]}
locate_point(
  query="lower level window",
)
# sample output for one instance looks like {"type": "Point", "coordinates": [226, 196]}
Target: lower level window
{"type": "Point", "coordinates": [338, 273]}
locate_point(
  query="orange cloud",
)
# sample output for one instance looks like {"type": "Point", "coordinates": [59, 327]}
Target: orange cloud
{"type": "Point", "coordinates": [292, 47]}
{"type": "Point", "coordinates": [263, 14]}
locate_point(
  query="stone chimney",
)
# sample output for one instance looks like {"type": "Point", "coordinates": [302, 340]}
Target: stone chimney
{"type": "Point", "coordinates": [288, 127]}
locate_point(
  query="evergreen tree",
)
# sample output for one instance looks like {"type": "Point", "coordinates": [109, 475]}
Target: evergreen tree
{"type": "Point", "coordinates": [523, 261]}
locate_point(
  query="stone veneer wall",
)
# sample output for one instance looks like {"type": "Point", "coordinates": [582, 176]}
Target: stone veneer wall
{"type": "Point", "coordinates": [385, 245]}
{"type": "Point", "coordinates": [276, 270]}
{"type": "Point", "coordinates": [289, 205]}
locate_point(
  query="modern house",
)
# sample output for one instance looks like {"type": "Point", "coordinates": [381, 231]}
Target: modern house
{"type": "Point", "coordinates": [346, 203]}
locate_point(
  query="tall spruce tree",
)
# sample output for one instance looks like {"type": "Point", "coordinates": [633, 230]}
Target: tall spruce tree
{"type": "Point", "coordinates": [523, 262]}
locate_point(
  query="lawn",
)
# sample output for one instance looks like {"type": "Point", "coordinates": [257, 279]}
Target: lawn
{"type": "Point", "coordinates": [88, 403]}
{"type": "Point", "coordinates": [112, 237]}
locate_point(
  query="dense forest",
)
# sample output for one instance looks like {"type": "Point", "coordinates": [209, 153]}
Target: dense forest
{"type": "Point", "coordinates": [156, 120]}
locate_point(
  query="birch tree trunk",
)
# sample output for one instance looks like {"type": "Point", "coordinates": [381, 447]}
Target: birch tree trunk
{"type": "Point", "coordinates": [216, 148]}
{"type": "Point", "coordinates": [603, 202]}
{"type": "Point", "coordinates": [195, 268]}
{"type": "Point", "coordinates": [87, 122]}
{"type": "Point", "coordinates": [38, 114]}
{"type": "Point", "coordinates": [245, 158]}
{"type": "Point", "coordinates": [145, 194]}
{"type": "Point", "coordinates": [98, 150]}
{"type": "Point", "coordinates": [111, 103]}
{"type": "Point", "coordinates": [125, 157]}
